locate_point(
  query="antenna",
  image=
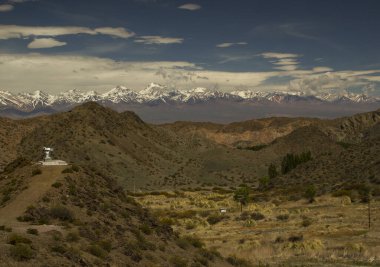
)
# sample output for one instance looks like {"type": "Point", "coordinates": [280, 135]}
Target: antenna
{"type": "Point", "coordinates": [47, 151]}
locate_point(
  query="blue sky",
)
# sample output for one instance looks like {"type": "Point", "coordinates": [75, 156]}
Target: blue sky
{"type": "Point", "coordinates": [295, 45]}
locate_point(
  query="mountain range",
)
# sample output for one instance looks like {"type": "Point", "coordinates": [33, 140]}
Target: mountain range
{"type": "Point", "coordinates": [146, 102]}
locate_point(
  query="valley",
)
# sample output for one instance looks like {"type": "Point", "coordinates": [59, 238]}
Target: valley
{"type": "Point", "coordinates": [145, 194]}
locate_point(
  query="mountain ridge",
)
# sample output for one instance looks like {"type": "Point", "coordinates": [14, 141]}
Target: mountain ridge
{"type": "Point", "coordinates": [159, 94]}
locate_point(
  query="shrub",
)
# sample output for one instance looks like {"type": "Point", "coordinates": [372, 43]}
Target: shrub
{"type": "Point", "coordinates": [57, 185]}
{"type": "Point", "coordinates": [177, 261]}
{"type": "Point", "coordinates": [32, 231]}
{"type": "Point", "coordinates": [295, 238]}
{"type": "Point", "coordinates": [106, 245]}
{"type": "Point", "coordinates": [194, 241]}
{"type": "Point", "coordinates": [167, 221]}
{"type": "Point", "coordinates": [36, 171]}
{"type": "Point", "coordinates": [257, 216]}
{"type": "Point", "coordinates": [190, 225]}
{"type": "Point", "coordinates": [214, 219]}
{"type": "Point", "coordinates": [306, 222]}
{"type": "Point", "coordinates": [283, 217]}
{"type": "Point", "coordinates": [59, 248]}
{"type": "Point", "coordinates": [145, 229]}
{"type": "Point", "coordinates": [62, 213]}
{"type": "Point", "coordinates": [22, 252]}
{"type": "Point", "coordinates": [272, 171]}
{"type": "Point", "coordinates": [233, 260]}
{"type": "Point", "coordinates": [68, 170]}
{"type": "Point", "coordinates": [97, 251]}
{"type": "Point", "coordinates": [75, 168]}
{"type": "Point", "coordinates": [15, 239]}
{"type": "Point", "coordinates": [310, 193]}
{"type": "Point", "coordinates": [72, 237]}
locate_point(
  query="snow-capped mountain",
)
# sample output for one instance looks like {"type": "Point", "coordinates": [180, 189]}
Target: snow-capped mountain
{"type": "Point", "coordinates": [155, 94]}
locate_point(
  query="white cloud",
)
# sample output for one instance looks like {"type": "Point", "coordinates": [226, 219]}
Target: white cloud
{"type": "Point", "coordinates": [225, 45]}
{"type": "Point", "coordinates": [153, 39]}
{"type": "Point", "coordinates": [15, 31]}
{"type": "Point", "coordinates": [322, 69]}
{"type": "Point", "coordinates": [286, 61]}
{"type": "Point", "coordinates": [45, 43]}
{"type": "Point", "coordinates": [278, 55]}
{"type": "Point", "coordinates": [115, 32]}
{"type": "Point", "coordinates": [93, 73]}
{"type": "Point", "coordinates": [6, 8]}
{"type": "Point", "coordinates": [286, 67]}
{"type": "Point", "coordinates": [191, 7]}
{"type": "Point", "coordinates": [282, 61]}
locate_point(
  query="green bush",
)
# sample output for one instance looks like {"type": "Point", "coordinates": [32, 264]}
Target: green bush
{"type": "Point", "coordinates": [62, 213]}
{"type": "Point", "coordinates": [283, 217]}
{"type": "Point", "coordinates": [194, 241]}
{"type": "Point", "coordinates": [36, 171]}
{"type": "Point", "coordinates": [310, 193]}
{"type": "Point", "coordinates": [177, 261]}
{"type": "Point", "coordinates": [97, 251]}
{"type": "Point", "coordinates": [72, 237]}
{"type": "Point", "coordinates": [15, 239]}
{"type": "Point", "coordinates": [214, 219]}
{"type": "Point", "coordinates": [22, 252]}
{"type": "Point", "coordinates": [106, 245]}
{"type": "Point", "coordinates": [146, 229]}
{"type": "Point", "coordinates": [233, 260]}
{"type": "Point", "coordinates": [257, 216]}
{"type": "Point", "coordinates": [57, 185]}
{"type": "Point", "coordinates": [32, 231]}
{"type": "Point", "coordinates": [306, 222]}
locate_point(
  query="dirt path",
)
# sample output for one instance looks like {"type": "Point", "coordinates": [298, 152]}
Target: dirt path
{"type": "Point", "coordinates": [37, 187]}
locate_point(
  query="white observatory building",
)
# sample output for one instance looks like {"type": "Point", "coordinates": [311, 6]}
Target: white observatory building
{"type": "Point", "coordinates": [48, 161]}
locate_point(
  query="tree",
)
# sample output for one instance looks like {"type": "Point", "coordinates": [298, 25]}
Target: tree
{"type": "Point", "coordinates": [310, 193]}
{"type": "Point", "coordinates": [272, 171]}
{"type": "Point", "coordinates": [241, 195]}
{"type": "Point", "coordinates": [366, 196]}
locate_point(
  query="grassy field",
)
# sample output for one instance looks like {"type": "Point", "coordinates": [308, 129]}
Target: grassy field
{"type": "Point", "coordinates": [332, 231]}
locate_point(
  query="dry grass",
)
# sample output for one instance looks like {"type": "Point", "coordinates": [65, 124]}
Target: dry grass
{"type": "Point", "coordinates": [335, 231]}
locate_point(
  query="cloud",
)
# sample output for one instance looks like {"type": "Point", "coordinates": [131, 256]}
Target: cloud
{"type": "Point", "coordinates": [285, 61]}
{"type": "Point", "coordinates": [45, 43]}
{"type": "Point", "coordinates": [6, 8]}
{"type": "Point", "coordinates": [282, 61]}
{"type": "Point", "coordinates": [115, 32]}
{"type": "Point", "coordinates": [286, 67]}
{"type": "Point", "coordinates": [225, 45]}
{"type": "Point", "coordinates": [153, 39]}
{"type": "Point", "coordinates": [278, 55]}
{"type": "Point", "coordinates": [191, 7]}
{"type": "Point", "coordinates": [15, 31]}
{"type": "Point", "coordinates": [9, 5]}
{"type": "Point", "coordinates": [40, 71]}
{"type": "Point", "coordinates": [322, 69]}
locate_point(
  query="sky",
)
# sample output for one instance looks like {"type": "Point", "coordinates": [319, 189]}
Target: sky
{"type": "Point", "coordinates": [268, 45]}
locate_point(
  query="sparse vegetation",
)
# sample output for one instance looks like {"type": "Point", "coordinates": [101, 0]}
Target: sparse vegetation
{"type": "Point", "coordinates": [62, 213]}
{"type": "Point", "coordinates": [32, 231]}
{"type": "Point", "coordinates": [241, 195]}
{"type": "Point", "coordinates": [36, 171]}
{"type": "Point", "coordinates": [22, 252]}
{"type": "Point", "coordinates": [310, 193]}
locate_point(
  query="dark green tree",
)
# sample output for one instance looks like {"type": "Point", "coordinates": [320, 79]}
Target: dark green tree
{"type": "Point", "coordinates": [310, 193]}
{"type": "Point", "coordinates": [241, 195]}
{"type": "Point", "coordinates": [272, 171]}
